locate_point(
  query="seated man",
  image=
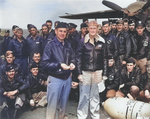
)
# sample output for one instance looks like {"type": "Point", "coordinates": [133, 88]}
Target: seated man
{"type": "Point", "coordinates": [12, 92]}
{"type": "Point", "coordinates": [36, 95]}
{"type": "Point", "coordinates": [144, 95]}
{"type": "Point", "coordinates": [37, 59]}
{"type": "Point", "coordinates": [9, 60]}
{"type": "Point", "coordinates": [112, 83]}
{"type": "Point", "coordinates": [129, 81]}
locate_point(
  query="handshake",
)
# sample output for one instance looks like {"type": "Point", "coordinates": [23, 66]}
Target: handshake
{"type": "Point", "coordinates": [66, 67]}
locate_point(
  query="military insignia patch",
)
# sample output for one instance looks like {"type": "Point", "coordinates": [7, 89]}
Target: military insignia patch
{"type": "Point", "coordinates": [109, 42]}
{"type": "Point", "coordinates": [37, 42]}
{"type": "Point", "coordinates": [145, 43]}
{"type": "Point", "coordinates": [99, 46]}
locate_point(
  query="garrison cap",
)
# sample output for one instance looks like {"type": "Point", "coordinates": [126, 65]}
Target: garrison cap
{"type": "Point", "coordinates": [140, 23]}
{"type": "Point", "coordinates": [131, 21]}
{"type": "Point", "coordinates": [28, 26]}
{"type": "Point", "coordinates": [62, 25]}
{"type": "Point", "coordinates": [125, 20]}
{"type": "Point", "coordinates": [105, 22]}
{"type": "Point", "coordinates": [85, 20]}
{"type": "Point", "coordinates": [130, 60]}
{"type": "Point", "coordinates": [83, 25]}
{"type": "Point", "coordinates": [34, 65]}
{"type": "Point", "coordinates": [110, 57]}
{"type": "Point", "coordinates": [7, 31]}
{"type": "Point", "coordinates": [113, 21]}
{"type": "Point", "coordinates": [14, 27]}
{"type": "Point", "coordinates": [45, 25]}
{"type": "Point", "coordinates": [56, 23]}
{"type": "Point", "coordinates": [9, 67]}
{"type": "Point", "coordinates": [72, 25]}
{"type": "Point", "coordinates": [119, 22]}
{"type": "Point", "coordinates": [49, 21]}
{"type": "Point", "coordinates": [32, 26]}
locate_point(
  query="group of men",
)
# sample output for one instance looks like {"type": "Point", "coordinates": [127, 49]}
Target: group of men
{"type": "Point", "coordinates": [43, 67]}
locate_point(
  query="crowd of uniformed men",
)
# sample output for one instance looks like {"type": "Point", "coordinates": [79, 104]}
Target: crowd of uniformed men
{"type": "Point", "coordinates": [44, 67]}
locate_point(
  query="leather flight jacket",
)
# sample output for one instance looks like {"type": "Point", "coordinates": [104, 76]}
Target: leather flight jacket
{"type": "Point", "coordinates": [34, 83]}
{"type": "Point", "coordinates": [140, 52]}
{"type": "Point", "coordinates": [124, 44]}
{"type": "Point", "coordinates": [17, 84]}
{"type": "Point", "coordinates": [91, 57]}
{"type": "Point", "coordinates": [133, 78]}
{"type": "Point", "coordinates": [111, 44]}
{"type": "Point", "coordinates": [54, 54]}
{"type": "Point", "coordinates": [113, 78]}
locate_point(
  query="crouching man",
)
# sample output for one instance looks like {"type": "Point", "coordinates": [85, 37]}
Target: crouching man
{"type": "Point", "coordinates": [36, 86]}
{"type": "Point", "coordinates": [144, 95]}
{"type": "Point", "coordinates": [112, 83]}
{"type": "Point", "coordinates": [130, 78]}
{"type": "Point", "coordinates": [12, 92]}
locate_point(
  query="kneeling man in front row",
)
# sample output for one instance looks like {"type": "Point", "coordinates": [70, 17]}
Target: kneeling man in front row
{"type": "Point", "coordinates": [12, 92]}
{"type": "Point", "coordinates": [130, 80]}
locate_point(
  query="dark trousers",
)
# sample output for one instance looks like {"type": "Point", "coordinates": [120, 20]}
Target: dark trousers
{"type": "Point", "coordinates": [23, 62]}
{"type": "Point", "coordinates": [118, 61]}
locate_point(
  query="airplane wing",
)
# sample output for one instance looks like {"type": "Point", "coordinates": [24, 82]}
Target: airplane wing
{"type": "Point", "coordinates": [94, 15]}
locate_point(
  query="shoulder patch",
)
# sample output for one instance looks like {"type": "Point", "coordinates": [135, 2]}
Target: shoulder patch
{"type": "Point", "coordinates": [109, 42]}
{"type": "Point", "coordinates": [145, 43]}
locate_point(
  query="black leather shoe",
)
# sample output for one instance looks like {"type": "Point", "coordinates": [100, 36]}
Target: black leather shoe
{"type": "Point", "coordinates": [33, 108]}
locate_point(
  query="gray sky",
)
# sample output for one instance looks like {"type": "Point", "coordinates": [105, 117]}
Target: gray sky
{"type": "Point", "coordinates": [23, 12]}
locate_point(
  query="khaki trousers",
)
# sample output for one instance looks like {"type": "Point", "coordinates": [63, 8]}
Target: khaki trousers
{"type": "Point", "coordinates": [141, 64]}
{"type": "Point", "coordinates": [111, 93]}
{"type": "Point", "coordinates": [40, 98]}
{"type": "Point", "coordinates": [89, 95]}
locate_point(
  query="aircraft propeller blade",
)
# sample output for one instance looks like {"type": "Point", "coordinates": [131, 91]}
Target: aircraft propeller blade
{"type": "Point", "coordinates": [146, 5]}
{"type": "Point", "coordinates": [112, 5]}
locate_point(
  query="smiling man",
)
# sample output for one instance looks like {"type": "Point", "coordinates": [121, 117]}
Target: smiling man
{"type": "Point", "coordinates": [129, 81]}
{"type": "Point", "coordinates": [84, 31]}
{"type": "Point", "coordinates": [124, 44]}
{"type": "Point", "coordinates": [9, 60]}
{"type": "Point", "coordinates": [36, 94]}
{"type": "Point", "coordinates": [58, 61]}
{"type": "Point", "coordinates": [34, 42]}
{"type": "Point", "coordinates": [141, 46]}
{"type": "Point", "coordinates": [131, 27]}
{"type": "Point", "coordinates": [12, 92]}
{"type": "Point", "coordinates": [49, 23]}
{"type": "Point", "coordinates": [91, 64]}
{"type": "Point", "coordinates": [110, 40]}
